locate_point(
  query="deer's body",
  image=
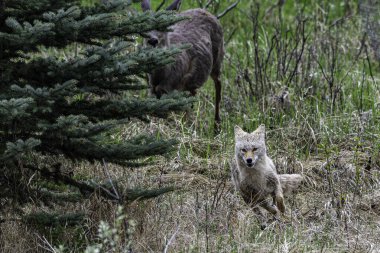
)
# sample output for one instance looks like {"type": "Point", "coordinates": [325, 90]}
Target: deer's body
{"type": "Point", "coordinates": [193, 66]}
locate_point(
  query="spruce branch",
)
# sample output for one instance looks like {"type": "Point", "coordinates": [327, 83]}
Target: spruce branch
{"type": "Point", "coordinates": [66, 72]}
{"type": "Point", "coordinates": [53, 219]}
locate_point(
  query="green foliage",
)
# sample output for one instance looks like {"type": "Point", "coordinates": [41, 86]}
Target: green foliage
{"type": "Point", "coordinates": [49, 219]}
{"type": "Point", "coordinates": [114, 237]}
{"type": "Point", "coordinates": [66, 74]}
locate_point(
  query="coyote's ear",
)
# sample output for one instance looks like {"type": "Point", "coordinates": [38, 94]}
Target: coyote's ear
{"type": "Point", "coordinates": [239, 132]}
{"type": "Point", "coordinates": [260, 131]}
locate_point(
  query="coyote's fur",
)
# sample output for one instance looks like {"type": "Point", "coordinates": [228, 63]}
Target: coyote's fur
{"type": "Point", "coordinates": [254, 174]}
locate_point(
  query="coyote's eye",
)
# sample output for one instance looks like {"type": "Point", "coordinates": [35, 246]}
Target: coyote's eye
{"type": "Point", "coordinates": [243, 150]}
{"type": "Point", "coordinates": [254, 149]}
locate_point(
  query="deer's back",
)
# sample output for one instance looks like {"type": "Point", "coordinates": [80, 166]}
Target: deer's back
{"type": "Point", "coordinates": [200, 23]}
{"type": "Point", "coordinates": [191, 70]}
{"type": "Point", "coordinates": [202, 30]}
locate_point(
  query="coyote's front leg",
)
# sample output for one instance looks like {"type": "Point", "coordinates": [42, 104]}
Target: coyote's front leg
{"type": "Point", "coordinates": [278, 197]}
{"type": "Point", "coordinates": [280, 202]}
{"type": "Point", "coordinates": [261, 217]}
{"type": "Point", "coordinates": [270, 207]}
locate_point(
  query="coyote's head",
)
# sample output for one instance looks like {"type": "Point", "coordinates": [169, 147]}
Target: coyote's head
{"type": "Point", "coordinates": [250, 147]}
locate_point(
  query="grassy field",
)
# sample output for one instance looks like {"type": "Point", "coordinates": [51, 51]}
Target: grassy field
{"type": "Point", "coordinates": [328, 132]}
{"type": "Point", "coordinates": [318, 50]}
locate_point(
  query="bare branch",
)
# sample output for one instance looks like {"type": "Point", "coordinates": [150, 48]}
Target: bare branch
{"type": "Point", "coordinates": [105, 190]}
{"type": "Point", "coordinates": [105, 169]}
{"type": "Point", "coordinates": [171, 240]}
{"type": "Point", "coordinates": [161, 4]}
{"type": "Point", "coordinates": [232, 6]}
{"type": "Point", "coordinates": [174, 6]}
{"type": "Point", "coordinates": [200, 4]}
{"type": "Point", "coordinates": [208, 4]}
{"type": "Point", "coordinates": [230, 36]}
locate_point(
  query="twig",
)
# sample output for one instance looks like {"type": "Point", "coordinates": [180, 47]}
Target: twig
{"type": "Point", "coordinates": [221, 185]}
{"type": "Point", "coordinates": [208, 4]}
{"type": "Point", "coordinates": [230, 36]}
{"type": "Point", "coordinates": [105, 190]}
{"type": "Point", "coordinates": [161, 4]}
{"type": "Point", "coordinates": [369, 63]}
{"type": "Point", "coordinates": [269, 10]}
{"type": "Point", "coordinates": [200, 3]}
{"type": "Point", "coordinates": [232, 6]}
{"type": "Point", "coordinates": [340, 20]}
{"type": "Point", "coordinates": [47, 245]}
{"type": "Point", "coordinates": [175, 5]}
{"type": "Point", "coordinates": [323, 71]}
{"type": "Point", "coordinates": [171, 239]}
{"type": "Point", "coordinates": [105, 169]}
{"type": "Point", "coordinates": [301, 27]}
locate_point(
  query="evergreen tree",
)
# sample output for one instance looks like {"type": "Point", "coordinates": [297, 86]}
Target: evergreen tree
{"type": "Point", "coordinates": [66, 71]}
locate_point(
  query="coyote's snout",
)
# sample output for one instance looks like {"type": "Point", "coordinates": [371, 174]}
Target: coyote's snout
{"type": "Point", "coordinates": [249, 156]}
{"type": "Point", "coordinates": [193, 66]}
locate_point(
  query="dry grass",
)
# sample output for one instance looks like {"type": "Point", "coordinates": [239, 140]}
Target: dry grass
{"type": "Point", "coordinates": [334, 211]}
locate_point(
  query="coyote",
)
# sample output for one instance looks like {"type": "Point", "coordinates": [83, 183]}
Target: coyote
{"type": "Point", "coordinates": [254, 174]}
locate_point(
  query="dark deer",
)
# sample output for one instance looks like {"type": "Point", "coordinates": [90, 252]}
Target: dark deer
{"type": "Point", "coordinates": [193, 66]}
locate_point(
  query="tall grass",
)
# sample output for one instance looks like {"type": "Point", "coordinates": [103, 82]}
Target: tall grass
{"type": "Point", "coordinates": [318, 51]}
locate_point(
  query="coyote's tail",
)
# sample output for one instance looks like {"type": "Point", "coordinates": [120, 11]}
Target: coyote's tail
{"type": "Point", "coordinates": [289, 182]}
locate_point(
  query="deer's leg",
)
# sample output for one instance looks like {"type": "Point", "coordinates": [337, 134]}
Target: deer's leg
{"type": "Point", "coordinates": [218, 97]}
